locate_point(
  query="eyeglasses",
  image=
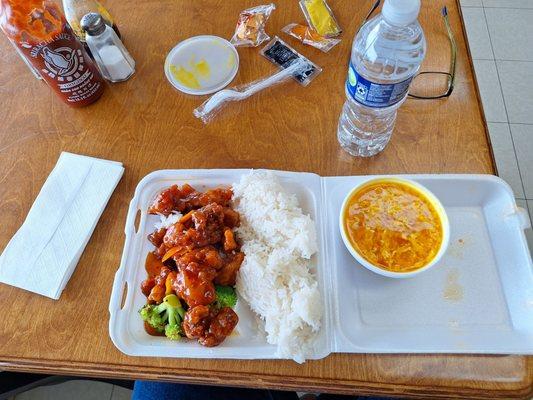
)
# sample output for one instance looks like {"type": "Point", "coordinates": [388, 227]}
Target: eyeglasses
{"type": "Point", "coordinates": [430, 85]}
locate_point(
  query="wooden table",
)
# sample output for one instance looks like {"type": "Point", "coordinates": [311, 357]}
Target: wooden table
{"type": "Point", "coordinates": [148, 126]}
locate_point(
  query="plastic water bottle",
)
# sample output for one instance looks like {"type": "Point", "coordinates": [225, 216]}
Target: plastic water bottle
{"type": "Point", "coordinates": [386, 55]}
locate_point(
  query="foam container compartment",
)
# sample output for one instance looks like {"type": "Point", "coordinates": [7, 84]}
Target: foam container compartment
{"type": "Point", "coordinates": [477, 299]}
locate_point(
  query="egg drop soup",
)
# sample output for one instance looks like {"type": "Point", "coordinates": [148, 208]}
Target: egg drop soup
{"type": "Point", "coordinates": [393, 226]}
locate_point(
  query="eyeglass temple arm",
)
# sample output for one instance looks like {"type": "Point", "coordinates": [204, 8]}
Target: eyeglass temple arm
{"type": "Point", "coordinates": [453, 61]}
{"type": "Point", "coordinates": [374, 7]}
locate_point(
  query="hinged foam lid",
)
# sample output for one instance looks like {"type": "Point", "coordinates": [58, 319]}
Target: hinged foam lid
{"type": "Point", "coordinates": [487, 268]}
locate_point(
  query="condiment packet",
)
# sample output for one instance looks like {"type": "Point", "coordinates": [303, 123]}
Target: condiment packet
{"type": "Point", "coordinates": [250, 29]}
{"type": "Point", "coordinates": [320, 17]}
{"type": "Point", "coordinates": [281, 54]}
{"type": "Point", "coordinates": [310, 37]}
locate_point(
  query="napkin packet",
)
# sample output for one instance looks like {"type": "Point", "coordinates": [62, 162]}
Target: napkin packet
{"type": "Point", "coordinates": [44, 252]}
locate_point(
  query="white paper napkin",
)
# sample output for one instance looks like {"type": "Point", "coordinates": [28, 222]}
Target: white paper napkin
{"type": "Point", "coordinates": [44, 252]}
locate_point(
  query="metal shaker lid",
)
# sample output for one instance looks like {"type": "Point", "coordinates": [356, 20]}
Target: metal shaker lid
{"type": "Point", "coordinates": [93, 24]}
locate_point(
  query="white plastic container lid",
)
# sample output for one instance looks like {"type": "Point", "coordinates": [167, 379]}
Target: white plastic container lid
{"type": "Point", "coordinates": [401, 12]}
{"type": "Point", "coordinates": [202, 64]}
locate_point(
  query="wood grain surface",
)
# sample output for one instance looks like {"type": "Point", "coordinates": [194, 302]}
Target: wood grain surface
{"type": "Point", "coordinates": [148, 125]}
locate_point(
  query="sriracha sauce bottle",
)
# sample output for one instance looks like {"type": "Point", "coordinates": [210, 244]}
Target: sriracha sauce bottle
{"type": "Point", "coordinates": [40, 31]}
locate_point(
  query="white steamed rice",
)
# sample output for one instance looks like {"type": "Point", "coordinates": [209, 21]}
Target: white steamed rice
{"type": "Point", "coordinates": [167, 222]}
{"type": "Point", "coordinates": [274, 279]}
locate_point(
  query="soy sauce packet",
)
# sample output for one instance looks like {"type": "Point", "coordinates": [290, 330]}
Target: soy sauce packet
{"type": "Point", "coordinates": [281, 54]}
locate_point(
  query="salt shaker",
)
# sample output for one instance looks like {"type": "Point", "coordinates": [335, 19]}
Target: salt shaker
{"type": "Point", "coordinates": [110, 55]}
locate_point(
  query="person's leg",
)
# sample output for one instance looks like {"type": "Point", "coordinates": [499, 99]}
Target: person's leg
{"type": "Point", "coordinates": [348, 397]}
{"type": "Point", "coordinates": [146, 390]}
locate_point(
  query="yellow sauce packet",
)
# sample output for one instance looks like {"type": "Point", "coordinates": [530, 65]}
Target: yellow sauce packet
{"type": "Point", "coordinates": [320, 17]}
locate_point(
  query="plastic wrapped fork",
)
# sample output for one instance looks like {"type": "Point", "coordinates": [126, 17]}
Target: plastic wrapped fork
{"type": "Point", "coordinates": [211, 107]}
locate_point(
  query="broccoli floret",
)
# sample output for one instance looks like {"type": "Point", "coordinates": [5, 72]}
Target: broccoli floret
{"type": "Point", "coordinates": [174, 332]}
{"type": "Point", "coordinates": [226, 296]}
{"type": "Point", "coordinates": [175, 311]}
{"type": "Point", "coordinates": [171, 305]}
{"type": "Point", "coordinates": [150, 314]}
{"type": "Point", "coordinates": [165, 317]}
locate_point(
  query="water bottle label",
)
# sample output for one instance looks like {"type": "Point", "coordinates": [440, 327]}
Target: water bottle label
{"type": "Point", "coordinates": [375, 94]}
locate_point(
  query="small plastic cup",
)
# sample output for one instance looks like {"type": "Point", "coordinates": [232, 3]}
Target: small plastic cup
{"type": "Point", "coordinates": [422, 191]}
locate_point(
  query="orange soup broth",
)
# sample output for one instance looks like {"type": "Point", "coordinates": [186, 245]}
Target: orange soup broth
{"type": "Point", "coordinates": [393, 226]}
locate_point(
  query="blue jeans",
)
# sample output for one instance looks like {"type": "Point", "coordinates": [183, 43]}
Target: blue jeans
{"type": "Point", "coordinates": [146, 390]}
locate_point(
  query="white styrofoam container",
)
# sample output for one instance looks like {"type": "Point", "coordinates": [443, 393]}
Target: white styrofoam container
{"type": "Point", "coordinates": [478, 299]}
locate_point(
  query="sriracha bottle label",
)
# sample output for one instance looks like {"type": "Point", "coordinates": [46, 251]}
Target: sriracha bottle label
{"type": "Point", "coordinates": [64, 64]}
{"type": "Point", "coordinates": [41, 32]}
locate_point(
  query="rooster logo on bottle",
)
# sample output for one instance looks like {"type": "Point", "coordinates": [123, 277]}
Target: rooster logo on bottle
{"type": "Point", "coordinates": [63, 63]}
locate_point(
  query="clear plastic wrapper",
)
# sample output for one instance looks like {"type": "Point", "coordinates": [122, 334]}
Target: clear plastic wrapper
{"type": "Point", "coordinates": [212, 106]}
{"type": "Point", "coordinates": [320, 17]}
{"type": "Point", "coordinates": [250, 29]}
{"type": "Point", "coordinates": [308, 36]}
{"type": "Point", "coordinates": [283, 55]}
